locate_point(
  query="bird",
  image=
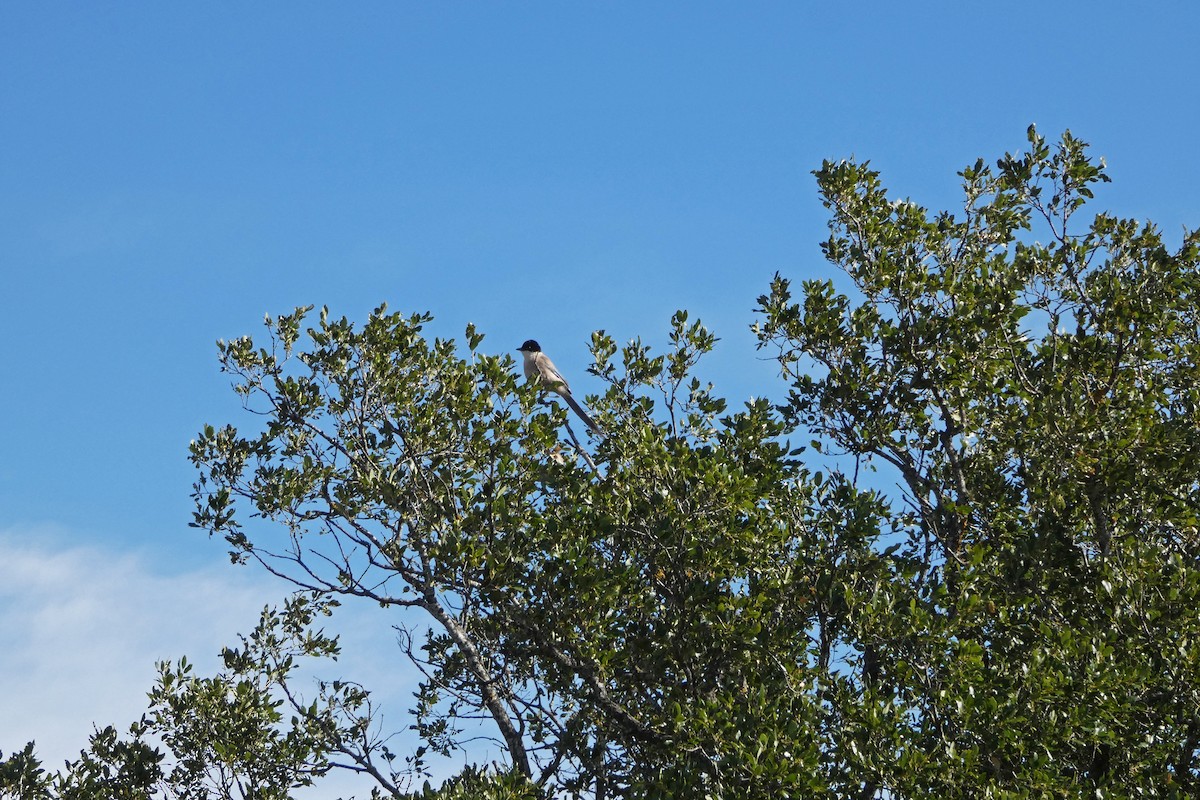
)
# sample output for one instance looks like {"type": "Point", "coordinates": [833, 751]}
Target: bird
{"type": "Point", "coordinates": [538, 365]}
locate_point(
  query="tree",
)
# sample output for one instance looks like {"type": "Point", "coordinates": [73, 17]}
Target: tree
{"type": "Point", "coordinates": [1033, 387]}
{"type": "Point", "coordinates": [604, 623]}
{"type": "Point", "coordinates": [990, 589]}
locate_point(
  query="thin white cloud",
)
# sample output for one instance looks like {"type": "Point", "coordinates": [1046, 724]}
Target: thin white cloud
{"type": "Point", "coordinates": [82, 629]}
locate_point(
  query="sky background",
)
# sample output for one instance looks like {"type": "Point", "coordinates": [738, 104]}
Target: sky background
{"type": "Point", "coordinates": [170, 173]}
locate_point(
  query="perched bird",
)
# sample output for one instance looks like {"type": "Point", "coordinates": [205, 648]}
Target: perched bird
{"type": "Point", "coordinates": [538, 365]}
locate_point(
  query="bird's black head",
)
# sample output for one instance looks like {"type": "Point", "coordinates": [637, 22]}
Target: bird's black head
{"type": "Point", "coordinates": [530, 346]}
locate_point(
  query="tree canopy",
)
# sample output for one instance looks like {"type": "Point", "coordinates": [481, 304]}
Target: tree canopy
{"type": "Point", "coordinates": [957, 556]}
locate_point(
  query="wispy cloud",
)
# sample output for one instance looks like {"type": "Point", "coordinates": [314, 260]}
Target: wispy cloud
{"type": "Point", "coordinates": [82, 629]}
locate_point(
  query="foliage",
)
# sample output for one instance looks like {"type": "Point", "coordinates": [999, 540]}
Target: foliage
{"type": "Point", "coordinates": [990, 589]}
{"type": "Point", "coordinates": [1036, 400]}
{"type": "Point", "coordinates": [228, 733]}
{"type": "Point", "coordinates": [612, 626]}
{"type": "Point", "coordinates": [110, 769]}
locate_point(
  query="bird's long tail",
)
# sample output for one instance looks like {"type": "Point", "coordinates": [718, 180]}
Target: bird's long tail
{"type": "Point", "coordinates": [578, 409]}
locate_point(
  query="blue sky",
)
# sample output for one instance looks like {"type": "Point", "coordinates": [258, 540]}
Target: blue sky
{"type": "Point", "coordinates": [169, 173]}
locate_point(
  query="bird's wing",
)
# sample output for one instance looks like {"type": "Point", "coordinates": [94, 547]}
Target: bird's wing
{"type": "Point", "coordinates": [554, 380]}
{"type": "Point", "coordinates": [551, 375]}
